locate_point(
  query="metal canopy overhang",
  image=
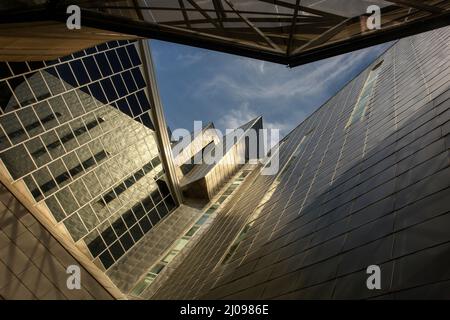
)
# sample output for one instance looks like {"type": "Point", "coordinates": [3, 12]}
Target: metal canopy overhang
{"type": "Point", "coordinates": [324, 34]}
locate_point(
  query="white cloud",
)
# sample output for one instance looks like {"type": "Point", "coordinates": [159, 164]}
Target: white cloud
{"type": "Point", "coordinates": [283, 96]}
{"type": "Point", "coordinates": [251, 79]}
{"type": "Point", "coordinates": [236, 117]}
{"type": "Point", "coordinates": [190, 58]}
{"type": "Point", "coordinates": [230, 90]}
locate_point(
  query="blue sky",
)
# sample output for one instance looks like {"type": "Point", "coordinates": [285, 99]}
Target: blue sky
{"type": "Point", "coordinates": [198, 84]}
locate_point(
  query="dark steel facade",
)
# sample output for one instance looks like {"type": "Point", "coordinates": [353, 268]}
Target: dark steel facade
{"type": "Point", "coordinates": [372, 191]}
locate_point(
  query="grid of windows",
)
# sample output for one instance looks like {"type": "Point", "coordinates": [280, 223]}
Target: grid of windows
{"type": "Point", "coordinates": [78, 132]}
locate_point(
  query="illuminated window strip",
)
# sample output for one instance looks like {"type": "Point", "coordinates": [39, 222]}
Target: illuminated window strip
{"type": "Point", "coordinates": [366, 93]}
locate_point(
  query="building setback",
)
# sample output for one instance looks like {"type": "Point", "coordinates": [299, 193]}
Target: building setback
{"type": "Point", "coordinates": [363, 181]}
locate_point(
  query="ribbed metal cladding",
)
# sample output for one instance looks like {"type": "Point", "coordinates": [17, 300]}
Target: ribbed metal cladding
{"type": "Point", "coordinates": [373, 193]}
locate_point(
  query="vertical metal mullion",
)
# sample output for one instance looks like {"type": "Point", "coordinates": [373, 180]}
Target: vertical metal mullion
{"type": "Point", "coordinates": [159, 121]}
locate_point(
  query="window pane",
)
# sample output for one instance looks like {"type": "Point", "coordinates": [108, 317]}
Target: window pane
{"type": "Point", "coordinates": [30, 121]}
{"type": "Point", "coordinates": [75, 227]}
{"type": "Point", "coordinates": [22, 90]}
{"type": "Point", "coordinates": [17, 161]}
{"type": "Point", "coordinates": [80, 72]}
{"type": "Point", "coordinates": [92, 68]}
{"type": "Point", "coordinates": [67, 76]}
{"type": "Point", "coordinates": [7, 100]}
{"type": "Point", "coordinates": [103, 64]}
{"type": "Point", "coordinates": [114, 61]}
{"type": "Point", "coordinates": [13, 128]}
{"type": "Point", "coordinates": [53, 81]}
{"type": "Point", "coordinates": [37, 84]}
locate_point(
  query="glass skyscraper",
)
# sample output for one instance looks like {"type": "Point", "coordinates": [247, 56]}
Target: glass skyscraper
{"type": "Point", "coordinates": [77, 132]}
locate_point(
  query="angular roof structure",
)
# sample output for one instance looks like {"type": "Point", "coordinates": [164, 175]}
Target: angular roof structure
{"type": "Point", "coordinates": [206, 179]}
{"type": "Point", "coordinates": [290, 32]}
